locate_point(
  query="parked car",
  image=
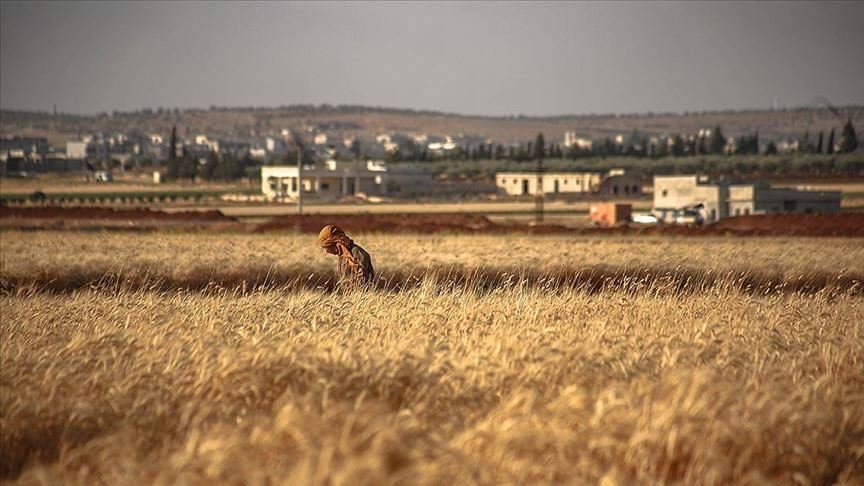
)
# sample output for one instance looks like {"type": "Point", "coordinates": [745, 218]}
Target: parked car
{"type": "Point", "coordinates": [645, 218]}
{"type": "Point", "coordinates": [688, 216]}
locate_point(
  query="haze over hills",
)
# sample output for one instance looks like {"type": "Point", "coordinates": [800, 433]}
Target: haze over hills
{"type": "Point", "coordinates": [367, 122]}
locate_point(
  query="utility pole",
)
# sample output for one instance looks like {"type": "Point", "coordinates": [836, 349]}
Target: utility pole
{"type": "Point", "coordinates": [299, 144]}
{"type": "Point", "coordinates": [538, 195]}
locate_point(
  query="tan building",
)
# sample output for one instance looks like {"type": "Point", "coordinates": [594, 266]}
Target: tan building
{"type": "Point", "coordinates": [614, 184]}
{"type": "Point", "coordinates": [618, 184]}
{"type": "Point", "coordinates": [522, 183]}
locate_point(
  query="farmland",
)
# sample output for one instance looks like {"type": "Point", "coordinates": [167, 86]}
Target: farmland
{"type": "Point", "coordinates": [171, 357]}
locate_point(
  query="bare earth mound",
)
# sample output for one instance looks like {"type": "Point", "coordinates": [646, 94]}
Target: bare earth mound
{"type": "Point", "coordinates": [844, 224]}
{"type": "Point", "coordinates": [848, 224]}
{"type": "Point", "coordinates": [112, 214]}
{"type": "Point", "coordinates": [383, 223]}
{"type": "Point", "coordinates": [56, 216]}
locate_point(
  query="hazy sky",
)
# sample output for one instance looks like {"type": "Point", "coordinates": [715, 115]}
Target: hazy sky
{"type": "Point", "coordinates": [477, 58]}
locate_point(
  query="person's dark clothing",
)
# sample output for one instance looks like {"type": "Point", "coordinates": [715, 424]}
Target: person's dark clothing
{"type": "Point", "coordinates": [363, 275]}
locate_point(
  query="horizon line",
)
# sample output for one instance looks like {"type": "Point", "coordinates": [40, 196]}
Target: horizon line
{"type": "Point", "coordinates": [422, 111]}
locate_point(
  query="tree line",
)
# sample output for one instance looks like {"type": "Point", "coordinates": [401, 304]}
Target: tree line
{"type": "Point", "coordinates": [711, 142]}
{"type": "Point", "coordinates": [231, 167]}
{"type": "Point", "coordinates": [213, 167]}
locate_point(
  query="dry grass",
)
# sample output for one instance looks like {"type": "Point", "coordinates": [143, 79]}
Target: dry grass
{"type": "Point", "coordinates": [179, 255]}
{"type": "Point", "coordinates": [436, 384]}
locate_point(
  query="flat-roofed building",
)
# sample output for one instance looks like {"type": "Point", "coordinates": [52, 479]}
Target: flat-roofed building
{"type": "Point", "coordinates": [620, 184]}
{"type": "Point", "coordinates": [673, 194]}
{"type": "Point", "coordinates": [522, 183]}
{"type": "Point", "coordinates": [331, 179]}
{"type": "Point", "coordinates": [761, 198]}
{"type": "Point", "coordinates": [717, 199]}
{"type": "Point", "coordinates": [76, 150]}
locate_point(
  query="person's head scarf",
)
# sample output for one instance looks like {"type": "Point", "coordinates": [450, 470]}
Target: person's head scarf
{"type": "Point", "coordinates": [333, 240]}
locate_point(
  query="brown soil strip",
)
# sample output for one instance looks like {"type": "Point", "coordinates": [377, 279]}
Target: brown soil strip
{"type": "Point", "coordinates": [52, 217]}
{"type": "Point", "coordinates": [112, 214]}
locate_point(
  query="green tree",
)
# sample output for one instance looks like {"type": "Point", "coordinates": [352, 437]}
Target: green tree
{"type": "Point", "coordinates": [187, 167]}
{"type": "Point", "coordinates": [661, 148]}
{"type": "Point", "coordinates": [172, 166]}
{"type": "Point", "coordinates": [499, 152]}
{"type": "Point", "coordinates": [819, 144]}
{"type": "Point", "coordinates": [716, 141]}
{"type": "Point", "coordinates": [226, 168]}
{"type": "Point", "coordinates": [748, 144]}
{"type": "Point", "coordinates": [804, 145]}
{"type": "Point", "coordinates": [539, 147]}
{"type": "Point", "coordinates": [678, 146]}
{"type": "Point", "coordinates": [244, 167]}
{"type": "Point", "coordinates": [830, 148]}
{"type": "Point", "coordinates": [771, 149]}
{"type": "Point", "coordinates": [208, 170]}
{"type": "Point", "coordinates": [702, 147]}
{"type": "Point", "coordinates": [356, 149]}
{"type": "Point", "coordinates": [848, 138]}
{"type": "Point", "coordinates": [608, 148]}
{"type": "Point", "coordinates": [172, 144]}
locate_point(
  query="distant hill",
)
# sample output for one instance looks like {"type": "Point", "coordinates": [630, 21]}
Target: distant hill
{"type": "Point", "coordinates": [366, 122]}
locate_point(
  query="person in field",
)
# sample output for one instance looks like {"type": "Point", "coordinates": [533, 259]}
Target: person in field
{"type": "Point", "coordinates": [355, 264]}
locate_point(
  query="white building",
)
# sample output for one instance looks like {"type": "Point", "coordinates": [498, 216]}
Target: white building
{"type": "Point", "coordinates": [787, 146]}
{"type": "Point", "coordinates": [330, 179]}
{"type": "Point", "coordinates": [718, 199]}
{"type": "Point", "coordinates": [258, 153]}
{"type": "Point", "coordinates": [274, 145]}
{"type": "Point", "coordinates": [571, 140]}
{"type": "Point", "coordinates": [76, 150]}
{"type": "Point", "coordinates": [675, 194]}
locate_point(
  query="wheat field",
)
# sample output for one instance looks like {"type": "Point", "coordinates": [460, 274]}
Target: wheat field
{"type": "Point", "coordinates": [686, 373]}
